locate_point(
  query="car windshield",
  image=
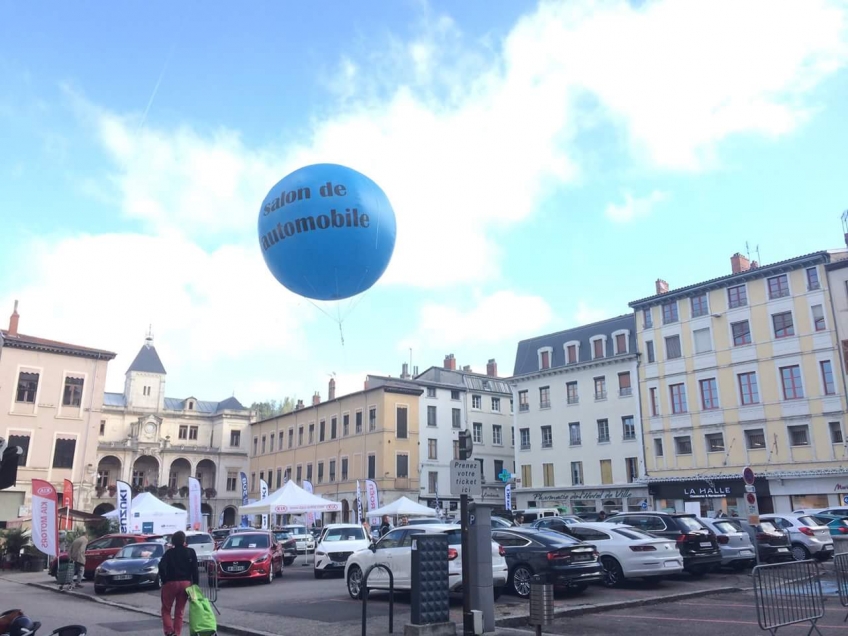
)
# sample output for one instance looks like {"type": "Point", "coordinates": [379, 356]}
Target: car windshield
{"type": "Point", "coordinates": [768, 526]}
{"type": "Point", "coordinates": [808, 521]}
{"type": "Point", "coordinates": [345, 534]}
{"type": "Point", "coordinates": [633, 533]}
{"type": "Point", "coordinates": [246, 541]}
{"type": "Point", "coordinates": [296, 530]}
{"type": "Point", "coordinates": [725, 527]}
{"type": "Point", "coordinates": [141, 551]}
{"type": "Point", "coordinates": [194, 539]}
{"type": "Point", "coordinates": [690, 524]}
{"type": "Point", "coordinates": [283, 536]}
{"type": "Point", "coordinates": [220, 534]}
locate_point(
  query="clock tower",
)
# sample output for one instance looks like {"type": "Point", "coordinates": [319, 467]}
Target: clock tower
{"type": "Point", "coordinates": [144, 387]}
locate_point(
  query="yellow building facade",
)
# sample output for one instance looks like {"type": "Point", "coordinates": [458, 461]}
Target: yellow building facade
{"type": "Point", "coordinates": [371, 434]}
{"type": "Point", "coordinates": [744, 370]}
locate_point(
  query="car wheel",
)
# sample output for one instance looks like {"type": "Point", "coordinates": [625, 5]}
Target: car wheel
{"type": "Point", "coordinates": [319, 574]}
{"type": "Point", "coordinates": [270, 578]}
{"type": "Point", "coordinates": [158, 583]}
{"type": "Point", "coordinates": [613, 574]}
{"type": "Point", "coordinates": [354, 582]}
{"type": "Point", "coordinates": [800, 552]}
{"type": "Point", "coordinates": [521, 577]}
{"type": "Point", "coordinates": [498, 592]}
{"type": "Point", "coordinates": [99, 589]}
{"type": "Point", "coordinates": [288, 561]}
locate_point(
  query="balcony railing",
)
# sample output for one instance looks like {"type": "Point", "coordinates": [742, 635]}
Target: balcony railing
{"type": "Point", "coordinates": [573, 400]}
{"type": "Point", "coordinates": [574, 441]}
{"type": "Point", "coordinates": [525, 446]}
{"type": "Point", "coordinates": [600, 395]}
{"type": "Point", "coordinates": [625, 391]}
{"type": "Point", "coordinates": [603, 439]}
{"type": "Point", "coordinates": [544, 404]}
{"type": "Point", "coordinates": [546, 444]}
{"type": "Point", "coordinates": [523, 407]}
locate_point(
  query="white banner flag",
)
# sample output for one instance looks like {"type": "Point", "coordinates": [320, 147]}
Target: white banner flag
{"type": "Point", "coordinates": [358, 503]}
{"type": "Point", "coordinates": [45, 521]}
{"type": "Point", "coordinates": [310, 516]}
{"type": "Point", "coordinates": [508, 497]}
{"type": "Point", "coordinates": [123, 495]}
{"type": "Point", "coordinates": [263, 492]}
{"type": "Point", "coordinates": [195, 515]}
{"type": "Point", "coordinates": [372, 495]}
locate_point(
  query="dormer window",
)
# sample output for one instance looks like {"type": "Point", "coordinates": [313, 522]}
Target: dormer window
{"type": "Point", "coordinates": [190, 405]}
{"type": "Point", "coordinates": [621, 340]}
{"type": "Point", "coordinates": [545, 354]}
{"type": "Point", "coordinates": [571, 350]}
{"type": "Point", "coordinates": [599, 347]}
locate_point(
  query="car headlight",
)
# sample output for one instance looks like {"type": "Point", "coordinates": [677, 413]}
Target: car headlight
{"type": "Point", "coordinates": [322, 554]}
{"type": "Point", "coordinates": [150, 568]}
{"type": "Point", "coordinates": [99, 570]}
{"type": "Point", "coordinates": [261, 559]}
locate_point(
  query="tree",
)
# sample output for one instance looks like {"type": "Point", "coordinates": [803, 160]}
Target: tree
{"type": "Point", "coordinates": [272, 408]}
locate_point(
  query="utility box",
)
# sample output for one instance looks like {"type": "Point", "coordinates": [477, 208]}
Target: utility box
{"type": "Point", "coordinates": [430, 595]}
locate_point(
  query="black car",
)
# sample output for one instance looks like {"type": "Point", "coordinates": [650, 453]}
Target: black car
{"type": "Point", "coordinates": [289, 543]}
{"type": "Point", "coordinates": [566, 561]}
{"type": "Point", "coordinates": [135, 565]}
{"type": "Point", "coordinates": [773, 544]}
{"type": "Point", "coordinates": [696, 542]}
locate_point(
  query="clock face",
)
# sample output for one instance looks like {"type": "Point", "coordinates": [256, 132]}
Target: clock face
{"type": "Point", "coordinates": [150, 428]}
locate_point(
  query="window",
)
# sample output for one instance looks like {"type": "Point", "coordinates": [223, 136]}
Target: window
{"type": "Point", "coordinates": [22, 440]}
{"type": "Point", "coordinates": [477, 432]}
{"type": "Point", "coordinates": [741, 333]}
{"type": "Point", "coordinates": [512, 435]}
{"type": "Point", "coordinates": [454, 395]}
{"type": "Point", "coordinates": [715, 442]}
{"type": "Point", "coordinates": [827, 377]}
{"type": "Point", "coordinates": [372, 419]}
{"type": "Point", "coordinates": [699, 306]}
{"type": "Point", "coordinates": [72, 395]}
{"type": "Point", "coordinates": [737, 296]}
{"type": "Point", "coordinates": [497, 435]}
{"type": "Point", "coordinates": [456, 418]}
{"type": "Point", "coordinates": [601, 388]}
{"type": "Point", "coordinates": [300, 436]}
{"type": "Point", "coordinates": [402, 428]}
{"type": "Point", "coordinates": [603, 431]}
{"type": "Point", "coordinates": [835, 433]}
{"type": "Point", "coordinates": [432, 446]}
{"type": "Point", "coordinates": [526, 476]}
{"type": "Point", "coordinates": [482, 471]}
{"type": "Point", "coordinates": [818, 318]}
{"type": "Point", "coordinates": [102, 427]}
{"type": "Point", "coordinates": [357, 423]}
{"type": "Point", "coordinates": [606, 471]}
{"type": "Point", "coordinates": [669, 312]}
{"type": "Point", "coordinates": [678, 398]}
{"type": "Point", "coordinates": [320, 472]}
{"type": "Point", "coordinates": [232, 481]}
{"type": "Point", "coordinates": [192, 433]}
{"type": "Point", "coordinates": [702, 340]}
{"type": "Point", "coordinates": [655, 407]}
{"type": "Point", "coordinates": [270, 444]}
{"type": "Point", "coordinates": [597, 348]}
{"type": "Point", "coordinates": [571, 392]}
{"type": "Point", "coordinates": [574, 434]}
{"type": "Point", "coordinates": [312, 432]}
{"type": "Point", "coordinates": [576, 473]}
{"type": "Point", "coordinates": [456, 449]}
{"type": "Point", "coordinates": [263, 444]}
{"type": "Point", "coordinates": [649, 346]}
{"type": "Point", "coordinates": [334, 427]}
{"type": "Point", "coordinates": [525, 438]}
{"type": "Point", "coordinates": [813, 279]}
{"type": "Point", "coordinates": [291, 437]}
{"type": "Point", "coordinates": [628, 427]}
{"type": "Point", "coordinates": [547, 437]}
{"type": "Point", "coordinates": [402, 462]}
{"type": "Point", "coordinates": [27, 387]}
{"type": "Point", "coordinates": [182, 433]}
{"type": "Point", "coordinates": [548, 474]}
{"type": "Point", "coordinates": [620, 343]}
{"type": "Point", "coordinates": [523, 404]}
{"type": "Point", "coordinates": [709, 394]}
{"type": "Point", "coordinates": [499, 466]}
{"type": "Point", "coordinates": [252, 481]}
{"type": "Point", "coordinates": [309, 472]}
{"type": "Point", "coordinates": [571, 351]}
{"type": "Point", "coordinates": [322, 431]}
{"type": "Point", "coordinates": [755, 438]}
{"type": "Point", "coordinates": [299, 470]}
{"type": "Point", "coordinates": [372, 466]}
{"type": "Point", "coordinates": [332, 470]}
{"type": "Point", "coordinates": [778, 286]}
{"type": "Point", "coordinates": [683, 445]}
{"type": "Point", "coordinates": [279, 478]}
{"type": "Point", "coordinates": [624, 388]}
{"type": "Point", "coordinates": [658, 447]}
{"type": "Point", "coordinates": [631, 467]}
{"type": "Point", "coordinates": [545, 397]}
{"type": "Point", "coordinates": [672, 347]}
{"type": "Point", "coordinates": [545, 360]}
{"type": "Point", "coordinates": [432, 481]}
{"type": "Point", "coordinates": [496, 405]}
{"type": "Point", "coordinates": [791, 379]}
{"type": "Point", "coordinates": [63, 453]}
{"type": "Point", "coordinates": [346, 424]}
{"type": "Point", "coordinates": [783, 327]}
{"type": "Point", "coordinates": [431, 416]}
{"type": "Point", "coordinates": [431, 391]}
{"type": "Point", "coordinates": [799, 435]}
{"type": "Point", "coordinates": [344, 468]}
{"type": "Point", "coordinates": [476, 402]}
{"type": "Point", "coordinates": [748, 389]}
{"type": "Point", "coordinates": [647, 318]}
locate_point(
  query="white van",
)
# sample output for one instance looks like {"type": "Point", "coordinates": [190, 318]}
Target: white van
{"type": "Point", "coordinates": [532, 514]}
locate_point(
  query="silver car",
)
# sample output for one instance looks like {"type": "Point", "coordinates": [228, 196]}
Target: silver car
{"type": "Point", "coordinates": [809, 538]}
{"type": "Point", "coordinates": [737, 551]}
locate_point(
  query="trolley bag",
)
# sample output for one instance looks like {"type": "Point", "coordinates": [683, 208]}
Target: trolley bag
{"type": "Point", "coordinates": [201, 617]}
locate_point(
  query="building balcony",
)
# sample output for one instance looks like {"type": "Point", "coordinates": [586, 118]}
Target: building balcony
{"type": "Point", "coordinates": [574, 400]}
{"type": "Point", "coordinates": [545, 404]}
{"type": "Point", "coordinates": [600, 395]}
{"type": "Point", "coordinates": [574, 442]}
{"type": "Point", "coordinates": [625, 392]}
{"type": "Point", "coordinates": [523, 407]}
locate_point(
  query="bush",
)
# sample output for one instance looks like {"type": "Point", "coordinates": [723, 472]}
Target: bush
{"type": "Point", "coordinates": [184, 491]}
{"type": "Point", "coordinates": [14, 540]}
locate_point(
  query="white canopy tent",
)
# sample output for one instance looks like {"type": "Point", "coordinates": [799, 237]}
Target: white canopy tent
{"type": "Point", "coordinates": [291, 499]}
{"type": "Point", "coordinates": [150, 515]}
{"type": "Point", "coordinates": [403, 507]}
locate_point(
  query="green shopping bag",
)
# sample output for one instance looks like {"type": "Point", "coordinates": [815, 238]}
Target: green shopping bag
{"type": "Point", "coordinates": [201, 616]}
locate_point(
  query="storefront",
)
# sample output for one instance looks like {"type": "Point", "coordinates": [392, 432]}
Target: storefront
{"type": "Point", "coordinates": [798, 493]}
{"type": "Point", "coordinates": [714, 495]}
{"type": "Point", "coordinates": [579, 500]}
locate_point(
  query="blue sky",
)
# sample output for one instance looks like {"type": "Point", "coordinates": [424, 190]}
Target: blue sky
{"type": "Point", "coordinates": [546, 162]}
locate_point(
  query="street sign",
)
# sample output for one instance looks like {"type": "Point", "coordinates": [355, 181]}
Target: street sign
{"type": "Point", "coordinates": [845, 500]}
{"type": "Point", "coordinates": [752, 508]}
{"type": "Point", "coordinates": [752, 498]}
{"type": "Point", "coordinates": [644, 505]}
{"type": "Point", "coordinates": [750, 488]}
{"type": "Point", "coordinates": [465, 477]}
{"type": "Point", "coordinates": [504, 475]}
{"type": "Point", "coordinates": [748, 475]}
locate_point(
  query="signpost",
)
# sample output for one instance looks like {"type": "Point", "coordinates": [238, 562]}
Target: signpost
{"type": "Point", "coordinates": [465, 479]}
{"type": "Point", "coordinates": [751, 506]}
{"type": "Point", "coordinates": [748, 475]}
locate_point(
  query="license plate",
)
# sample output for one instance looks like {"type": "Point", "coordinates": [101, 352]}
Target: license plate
{"type": "Point", "coordinates": [236, 568]}
{"type": "Point", "coordinates": [123, 577]}
{"type": "Point", "coordinates": [783, 549]}
{"type": "Point", "coordinates": [828, 547]}
{"type": "Point", "coordinates": [671, 564]}
{"type": "Point", "coordinates": [338, 564]}
{"type": "Point", "coordinates": [745, 553]}
{"type": "Point", "coordinates": [582, 557]}
{"type": "Point", "coordinates": [706, 544]}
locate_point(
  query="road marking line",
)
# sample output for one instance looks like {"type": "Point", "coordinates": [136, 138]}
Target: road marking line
{"type": "Point", "coordinates": [712, 620]}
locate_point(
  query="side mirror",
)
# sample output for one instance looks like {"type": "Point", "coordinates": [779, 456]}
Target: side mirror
{"type": "Point", "coordinates": [372, 547]}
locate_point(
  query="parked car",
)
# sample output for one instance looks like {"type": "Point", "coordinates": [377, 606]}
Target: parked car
{"type": "Point", "coordinates": [135, 565]}
{"type": "Point", "coordinates": [338, 542]}
{"type": "Point", "coordinates": [305, 540]}
{"type": "Point", "coordinates": [249, 555]}
{"type": "Point", "coordinates": [737, 549]}
{"type": "Point", "coordinates": [425, 521]}
{"type": "Point", "coordinates": [696, 542]}
{"type": "Point", "coordinates": [628, 553]}
{"type": "Point", "coordinates": [202, 543]}
{"type": "Point", "coordinates": [557, 524]}
{"type": "Point", "coordinates": [395, 551]}
{"type": "Point", "coordinates": [220, 534]}
{"type": "Point", "coordinates": [289, 545]}
{"type": "Point", "coordinates": [501, 522]}
{"type": "Point", "coordinates": [836, 524]}
{"type": "Point", "coordinates": [808, 537]}
{"type": "Point", "coordinates": [102, 549]}
{"type": "Point", "coordinates": [532, 514]}
{"type": "Point", "coordinates": [772, 543]}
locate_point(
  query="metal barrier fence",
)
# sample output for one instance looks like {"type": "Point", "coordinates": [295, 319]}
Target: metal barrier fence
{"type": "Point", "coordinates": [208, 577]}
{"type": "Point", "coordinates": [840, 563]}
{"type": "Point", "coordinates": [788, 594]}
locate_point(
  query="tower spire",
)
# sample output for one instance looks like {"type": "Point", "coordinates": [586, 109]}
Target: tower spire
{"type": "Point", "coordinates": [148, 339]}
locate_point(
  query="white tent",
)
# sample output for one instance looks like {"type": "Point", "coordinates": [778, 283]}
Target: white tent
{"type": "Point", "coordinates": [291, 499]}
{"type": "Point", "coordinates": [403, 507]}
{"type": "Point", "coordinates": [149, 515]}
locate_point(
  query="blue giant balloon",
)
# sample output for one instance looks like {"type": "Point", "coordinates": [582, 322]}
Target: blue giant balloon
{"type": "Point", "coordinates": [327, 232]}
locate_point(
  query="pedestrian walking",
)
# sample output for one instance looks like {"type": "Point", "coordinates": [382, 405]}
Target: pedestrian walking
{"type": "Point", "coordinates": [385, 526]}
{"type": "Point", "coordinates": [76, 554]}
{"type": "Point", "coordinates": [178, 571]}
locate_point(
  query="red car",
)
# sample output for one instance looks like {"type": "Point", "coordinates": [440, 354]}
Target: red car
{"type": "Point", "coordinates": [249, 555]}
{"type": "Point", "coordinates": [102, 549]}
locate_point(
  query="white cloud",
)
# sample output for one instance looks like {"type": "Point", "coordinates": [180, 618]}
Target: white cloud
{"type": "Point", "coordinates": [634, 207]}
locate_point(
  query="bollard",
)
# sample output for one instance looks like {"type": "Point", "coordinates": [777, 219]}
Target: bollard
{"type": "Point", "coordinates": [541, 602]}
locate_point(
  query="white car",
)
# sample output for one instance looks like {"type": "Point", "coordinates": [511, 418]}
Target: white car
{"type": "Point", "coordinates": [628, 552]}
{"type": "Point", "coordinates": [394, 550]}
{"type": "Point", "coordinates": [808, 537]}
{"type": "Point", "coordinates": [201, 542]}
{"type": "Point", "coordinates": [338, 542]}
{"type": "Point", "coordinates": [303, 538]}
{"type": "Point", "coordinates": [737, 551]}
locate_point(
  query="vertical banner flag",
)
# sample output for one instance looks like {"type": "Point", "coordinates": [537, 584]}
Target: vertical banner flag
{"type": "Point", "coordinates": [194, 514]}
{"type": "Point", "coordinates": [221, 519]}
{"type": "Point", "coordinates": [371, 494]}
{"type": "Point", "coordinates": [45, 526]}
{"type": "Point", "coordinates": [263, 492]}
{"type": "Point", "coordinates": [358, 503]}
{"type": "Point", "coordinates": [68, 501]}
{"type": "Point", "coordinates": [310, 516]}
{"type": "Point", "coordinates": [244, 520]}
{"type": "Point", "coordinates": [508, 497]}
{"type": "Point", "coordinates": [123, 494]}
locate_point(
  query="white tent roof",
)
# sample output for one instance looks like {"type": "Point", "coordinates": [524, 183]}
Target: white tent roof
{"type": "Point", "coordinates": [147, 503]}
{"type": "Point", "coordinates": [403, 507]}
{"type": "Point", "coordinates": [290, 499]}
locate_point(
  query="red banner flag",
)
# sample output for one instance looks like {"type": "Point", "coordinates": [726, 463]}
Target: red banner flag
{"type": "Point", "coordinates": [68, 502]}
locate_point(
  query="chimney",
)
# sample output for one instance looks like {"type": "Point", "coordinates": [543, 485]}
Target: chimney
{"type": "Point", "coordinates": [404, 374]}
{"type": "Point", "coordinates": [739, 263]}
{"type": "Point", "coordinates": [467, 368]}
{"type": "Point", "coordinates": [662, 286]}
{"type": "Point", "coordinates": [299, 405]}
{"type": "Point", "coordinates": [331, 390]}
{"type": "Point", "coordinates": [450, 362]}
{"type": "Point", "coordinates": [492, 368]}
{"type": "Point", "coordinates": [754, 264]}
{"type": "Point", "coordinates": [13, 321]}
{"type": "Point", "coordinates": [415, 370]}
{"type": "Point", "coordinates": [316, 399]}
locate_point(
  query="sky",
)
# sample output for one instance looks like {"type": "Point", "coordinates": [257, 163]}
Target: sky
{"type": "Point", "coordinates": [546, 163]}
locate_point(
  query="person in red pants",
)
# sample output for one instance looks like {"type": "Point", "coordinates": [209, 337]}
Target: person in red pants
{"type": "Point", "coordinates": [178, 571]}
